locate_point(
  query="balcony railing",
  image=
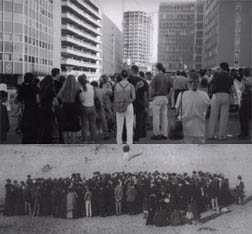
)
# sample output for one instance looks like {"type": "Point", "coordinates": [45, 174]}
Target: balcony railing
{"type": "Point", "coordinates": [80, 43]}
{"type": "Point", "coordinates": [79, 53]}
{"type": "Point", "coordinates": [80, 32]}
{"type": "Point", "coordinates": [81, 22]}
{"type": "Point", "coordinates": [79, 63]}
{"type": "Point", "coordinates": [82, 13]}
{"type": "Point", "coordinates": [97, 14]}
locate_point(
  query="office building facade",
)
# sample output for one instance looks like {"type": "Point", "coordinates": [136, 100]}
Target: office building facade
{"type": "Point", "coordinates": [228, 33]}
{"type": "Point", "coordinates": [176, 35]}
{"type": "Point", "coordinates": [81, 38]}
{"type": "Point", "coordinates": [26, 41]}
{"type": "Point", "coordinates": [137, 37]}
{"type": "Point", "coordinates": [112, 47]}
{"type": "Point", "coordinates": [199, 34]}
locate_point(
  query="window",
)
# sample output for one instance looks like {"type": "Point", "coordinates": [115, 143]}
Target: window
{"type": "Point", "coordinates": [7, 37]}
{"type": "Point", "coordinates": [8, 46]}
{"type": "Point", "coordinates": [8, 6]}
{"type": "Point", "coordinates": [18, 18]}
{"type": "Point", "coordinates": [17, 57]}
{"type": "Point", "coordinates": [7, 57]}
{"type": "Point", "coordinates": [17, 38]}
{"type": "Point", "coordinates": [18, 68]}
{"type": "Point", "coordinates": [18, 48]}
{"type": "Point", "coordinates": [18, 8]}
{"type": "Point", "coordinates": [7, 16]}
{"type": "Point", "coordinates": [18, 28]}
{"type": "Point", "coordinates": [8, 27]}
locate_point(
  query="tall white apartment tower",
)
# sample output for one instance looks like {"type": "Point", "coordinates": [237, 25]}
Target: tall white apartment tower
{"type": "Point", "coordinates": [137, 30]}
{"type": "Point", "coordinates": [81, 38]}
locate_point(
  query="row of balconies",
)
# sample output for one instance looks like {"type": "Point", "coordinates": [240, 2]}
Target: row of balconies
{"type": "Point", "coordinates": [81, 13]}
{"type": "Point", "coordinates": [95, 13]}
{"type": "Point", "coordinates": [80, 32]}
{"type": "Point", "coordinates": [79, 63]}
{"type": "Point", "coordinates": [79, 53]}
{"type": "Point", "coordinates": [80, 43]}
{"type": "Point", "coordinates": [81, 23]}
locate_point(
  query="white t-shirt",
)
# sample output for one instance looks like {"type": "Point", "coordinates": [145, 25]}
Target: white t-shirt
{"type": "Point", "coordinates": [194, 108]}
{"type": "Point", "coordinates": [87, 97]}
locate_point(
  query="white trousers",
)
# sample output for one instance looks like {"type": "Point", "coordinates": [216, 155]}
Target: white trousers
{"type": "Point", "coordinates": [120, 117]}
{"type": "Point", "coordinates": [88, 209]}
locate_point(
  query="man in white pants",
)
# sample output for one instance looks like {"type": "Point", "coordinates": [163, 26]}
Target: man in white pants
{"type": "Point", "coordinates": [160, 87]}
{"type": "Point", "coordinates": [221, 83]}
{"type": "Point", "coordinates": [124, 90]}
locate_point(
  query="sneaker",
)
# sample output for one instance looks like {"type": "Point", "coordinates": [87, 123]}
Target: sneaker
{"type": "Point", "coordinates": [158, 137]}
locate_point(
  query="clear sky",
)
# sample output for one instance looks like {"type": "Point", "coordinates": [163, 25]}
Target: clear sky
{"type": "Point", "coordinates": [114, 10]}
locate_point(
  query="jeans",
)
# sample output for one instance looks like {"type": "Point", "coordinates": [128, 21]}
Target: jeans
{"type": "Point", "coordinates": [219, 107]}
{"type": "Point", "coordinates": [120, 117]}
{"type": "Point", "coordinates": [159, 115]}
{"type": "Point", "coordinates": [88, 119]}
{"type": "Point", "coordinates": [101, 115]}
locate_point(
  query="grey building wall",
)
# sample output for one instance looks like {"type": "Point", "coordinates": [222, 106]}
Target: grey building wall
{"type": "Point", "coordinates": [56, 33]}
{"type": "Point", "coordinates": [112, 47]}
{"type": "Point", "coordinates": [220, 39]}
{"type": "Point", "coordinates": [176, 35]}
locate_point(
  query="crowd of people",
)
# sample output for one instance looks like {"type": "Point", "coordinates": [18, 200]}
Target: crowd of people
{"type": "Point", "coordinates": [128, 104]}
{"type": "Point", "coordinates": [163, 198]}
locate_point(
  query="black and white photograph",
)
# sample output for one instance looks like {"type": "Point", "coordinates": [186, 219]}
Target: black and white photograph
{"type": "Point", "coordinates": [125, 116]}
{"type": "Point", "coordinates": [157, 71]}
{"type": "Point", "coordinates": [104, 189]}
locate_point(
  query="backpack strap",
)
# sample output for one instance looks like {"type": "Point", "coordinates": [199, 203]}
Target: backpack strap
{"type": "Point", "coordinates": [123, 87]}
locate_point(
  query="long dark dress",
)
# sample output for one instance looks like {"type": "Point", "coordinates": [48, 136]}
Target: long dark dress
{"type": "Point", "coordinates": [4, 123]}
{"type": "Point", "coordinates": [46, 117]}
{"type": "Point", "coordinates": [29, 122]}
{"type": "Point", "coordinates": [9, 200]}
{"type": "Point", "coordinates": [70, 117]}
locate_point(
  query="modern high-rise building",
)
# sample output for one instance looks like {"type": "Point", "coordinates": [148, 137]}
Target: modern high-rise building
{"type": "Point", "coordinates": [176, 35]}
{"type": "Point", "coordinates": [26, 38]}
{"type": "Point", "coordinates": [81, 38]}
{"type": "Point", "coordinates": [199, 34]}
{"type": "Point", "coordinates": [228, 33]}
{"type": "Point", "coordinates": [112, 47]}
{"type": "Point", "coordinates": [137, 37]}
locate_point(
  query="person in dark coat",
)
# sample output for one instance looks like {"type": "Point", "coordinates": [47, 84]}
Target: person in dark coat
{"type": "Point", "coordinates": [27, 96]}
{"type": "Point", "coordinates": [131, 199]}
{"type": "Point", "coordinates": [47, 103]}
{"type": "Point", "coordinates": [4, 117]}
{"type": "Point", "coordinates": [9, 199]}
{"type": "Point", "coordinates": [162, 217]}
{"type": "Point", "coordinates": [152, 209]}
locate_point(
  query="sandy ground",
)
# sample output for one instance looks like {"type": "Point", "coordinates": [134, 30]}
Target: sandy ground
{"type": "Point", "coordinates": [236, 222]}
